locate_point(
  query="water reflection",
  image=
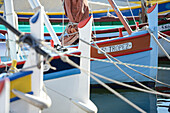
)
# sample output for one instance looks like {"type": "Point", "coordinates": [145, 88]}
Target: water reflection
{"type": "Point", "coordinates": [109, 103]}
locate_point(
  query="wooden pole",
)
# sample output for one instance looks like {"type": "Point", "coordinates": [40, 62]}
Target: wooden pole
{"type": "Point", "coordinates": [119, 14]}
{"type": "Point", "coordinates": [143, 6]}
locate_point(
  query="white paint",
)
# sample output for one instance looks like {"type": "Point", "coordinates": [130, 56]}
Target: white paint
{"type": "Point", "coordinates": [115, 48]}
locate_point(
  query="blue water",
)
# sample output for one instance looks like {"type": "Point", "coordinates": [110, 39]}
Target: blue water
{"type": "Point", "coordinates": [107, 102]}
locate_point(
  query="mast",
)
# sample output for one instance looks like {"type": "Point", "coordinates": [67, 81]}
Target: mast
{"type": "Point", "coordinates": [143, 15]}
{"type": "Point", "coordinates": [11, 18]}
{"type": "Point", "coordinates": [34, 5]}
{"type": "Point", "coordinates": [119, 14]}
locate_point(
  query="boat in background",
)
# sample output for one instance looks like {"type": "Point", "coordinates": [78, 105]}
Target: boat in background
{"type": "Point", "coordinates": [70, 93]}
{"type": "Point", "coordinates": [102, 21]}
{"type": "Point", "coordinates": [127, 49]}
{"type": "Point", "coordinates": [105, 32]}
{"type": "Point", "coordinates": [76, 97]}
{"type": "Point", "coordinates": [54, 9]}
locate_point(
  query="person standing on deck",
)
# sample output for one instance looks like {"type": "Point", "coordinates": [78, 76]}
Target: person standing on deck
{"type": "Point", "coordinates": [76, 11]}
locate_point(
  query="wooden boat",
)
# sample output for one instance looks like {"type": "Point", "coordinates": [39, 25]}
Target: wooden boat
{"type": "Point", "coordinates": [75, 97]}
{"type": "Point", "coordinates": [71, 93]}
{"type": "Point", "coordinates": [163, 27]}
{"type": "Point", "coordinates": [110, 33]}
{"type": "Point", "coordinates": [101, 21]}
{"type": "Point", "coordinates": [128, 49]}
{"type": "Point", "coordinates": [54, 10]}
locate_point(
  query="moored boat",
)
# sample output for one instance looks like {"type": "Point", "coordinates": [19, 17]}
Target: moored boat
{"type": "Point", "coordinates": [128, 49]}
{"type": "Point", "coordinates": [54, 9]}
{"type": "Point", "coordinates": [66, 74]}
{"type": "Point", "coordinates": [69, 87]}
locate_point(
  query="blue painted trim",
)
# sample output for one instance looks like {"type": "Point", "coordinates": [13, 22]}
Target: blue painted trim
{"type": "Point", "coordinates": [2, 36]}
{"type": "Point", "coordinates": [19, 75]}
{"type": "Point", "coordinates": [132, 35]}
{"type": "Point", "coordinates": [161, 8]}
{"type": "Point", "coordinates": [59, 74]}
{"type": "Point", "coordinates": [17, 98]}
{"type": "Point", "coordinates": [35, 18]}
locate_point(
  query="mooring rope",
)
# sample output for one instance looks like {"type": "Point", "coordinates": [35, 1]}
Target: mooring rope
{"type": "Point", "coordinates": [164, 34]}
{"type": "Point", "coordinates": [66, 59]}
{"type": "Point", "coordinates": [118, 94]}
{"type": "Point", "coordinates": [132, 14]}
{"type": "Point", "coordinates": [164, 38]}
{"type": "Point", "coordinates": [136, 65]}
{"type": "Point", "coordinates": [159, 45]}
{"type": "Point", "coordinates": [108, 57]}
{"type": "Point", "coordinates": [126, 66]}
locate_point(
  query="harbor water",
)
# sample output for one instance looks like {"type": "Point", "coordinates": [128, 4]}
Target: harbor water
{"type": "Point", "coordinates": [107, 102]}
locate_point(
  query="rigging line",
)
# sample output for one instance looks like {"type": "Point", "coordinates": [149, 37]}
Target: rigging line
{"type": "Point", "coordinates": [164, 38]}
{"type": "Point", "coordinates": [90, 7]}
{"type": "Point", "coordinates": [118, 95]}
{"type": "Point", "coordinates": [73, 101]}
{"type": "Point", "coordinates": [160, 46]}
{"type": "Point", "coordinates": [63, 16]}
{"type": "Point", "coordinates": [111, 62]}
{"type": "Point", "coordinates": [22, 47]}
{"type": "Point", "coordinates": [128, 66]}
{"type": "Point", "coordinates": [164, 34]}
{"type": "Point", "coordinates": [57, 92]}
{"type": "Point", "coordinates": [66, 59]}
{"type": "Point", "coordinates": [130, 86]}
{"type": "Point", "coordinates": [107, 55]}
{"type": "Point", "coordinates": [136, 65]}
{"type": "Point", "coordinates": [132, 14]}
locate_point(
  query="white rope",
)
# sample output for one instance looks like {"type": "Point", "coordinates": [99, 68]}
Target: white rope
{"type": "Point", "coordinates": [127, 67]}
{"type": "Point", "coordinates": [163, 37]}
{"type": "Point", "coordinates": [160, 46]}
{"type": "Point", "coordinates": [164, 34]}
{"type": "Point", "coordinates": [130, 86]}
{"type": "Point", "coordinates": [118, 95]}
{"type": "Point", "coordinates": [132, 14]}
{"type": "Point", "coordinates": [121, 68]}
{"type": "Point", "coordinates": [98, 3]}
{"type": "Point", "coordinates": [63, 16]}
{"type": "Point", "coordinates": [114, 63]}
{"type": "Point", "coordinates": [66, 59]}
{"type": "Point", "coordinates": [136, 65]}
